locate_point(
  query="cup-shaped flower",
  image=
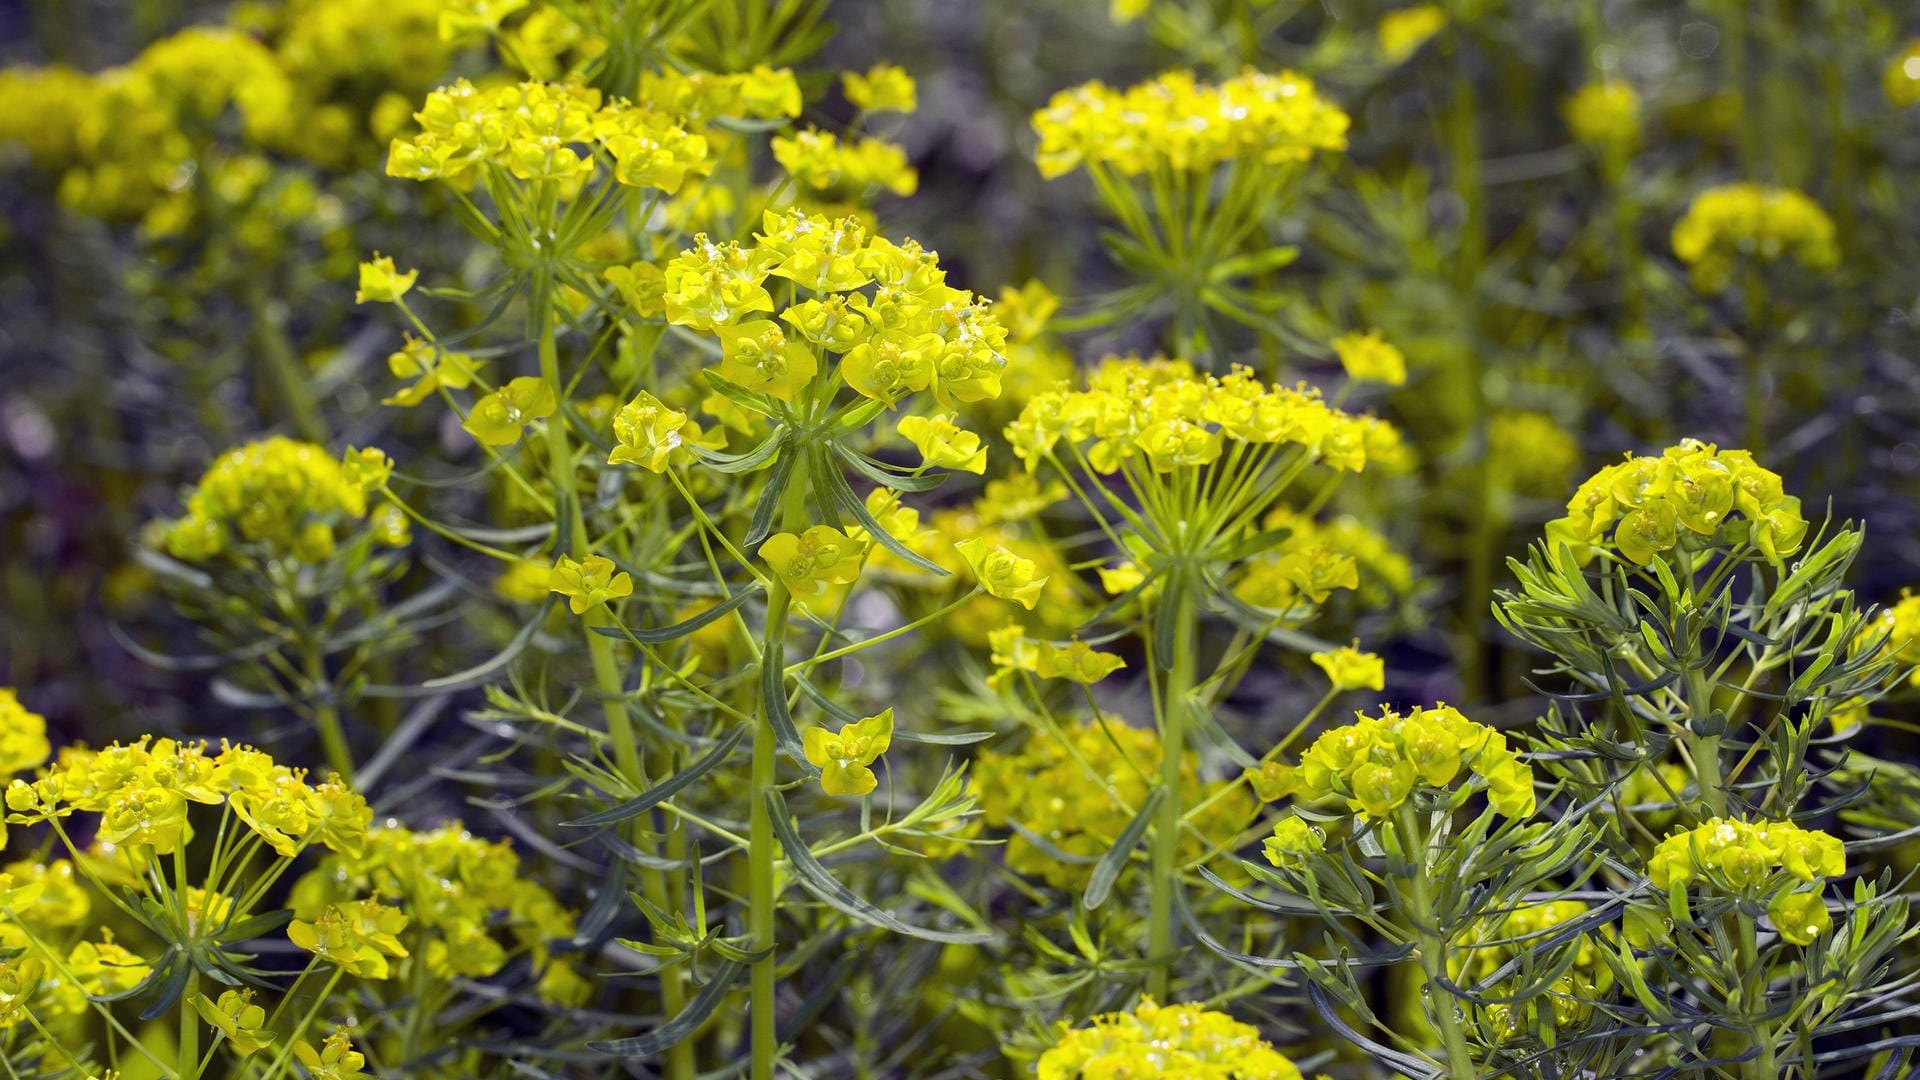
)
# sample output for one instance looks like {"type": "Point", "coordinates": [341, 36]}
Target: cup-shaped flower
{"type": "Point", "coordinates": [1370, 358]}
{"type": "Point", "coordinates": [649, 434]}
{"type": "Point", "coordinates": [500, 418]}
{"type": "Point", "coordinates": [588, 582]}
{"type": "Point", "coordinates": [1349, 668]}
{"type": "Point", "coordinates": [381, 283]}
{"type": "Point", "coordinates": [1800, 917]}
{"type": "Point", "coordinates": [1293, 842]}
{"type": "Point", "coordinates": [943, 443]}
{"type": "Point", "coordinates": [238, 1018]}
{"type": "Point", "coordinates": [844, 759]}
{"type": "Point", "coordinates": [1002, 573]}
{"type": "Point", "coordinates": [357, 938]}
{"type": "Point", "coordinates": [758, 355]}
{"type": "Point", "coordinates": [811, 561]}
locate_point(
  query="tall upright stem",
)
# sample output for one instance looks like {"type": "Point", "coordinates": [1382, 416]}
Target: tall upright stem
{"type": "Point", "coordinates": [326, 715]}
{"type": "Point", "coordinates": [763, 849]}
{"type": "Point", "coordinates": [606, 674]}
{"type": "Point", "coordinates": [1176, 704]}
{"type": "Point", "coordinates": [1433, 950]}
{"type": "Point", "coordinates": [1483, 537]}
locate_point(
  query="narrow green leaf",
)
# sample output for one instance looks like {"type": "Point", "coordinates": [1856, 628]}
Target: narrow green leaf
{"type": "Point", "coordinates": [1107, 870]}
{"type": "Point", "coordinates": [665, 789]}
{"type": "Point", "coordinates": [678, 1028]}
{"type": "Point", "coordinates": [815, 879]}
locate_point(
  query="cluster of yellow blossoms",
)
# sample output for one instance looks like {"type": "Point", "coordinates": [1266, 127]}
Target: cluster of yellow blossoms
{"type": "Point", "coordinates": [883, 308]}
{"type": "Point", "coordinates": [1175, 123]}
{"type": "Point", "coordinates": [1076, 661]}
{"type": "Point", "coordinates": [1376, 762]}
{"type": "Point", "coordinates": [289, 497]}
{"type": "Point", "coordinates": [1898, 624]}
{"type": "Point", "coordinates": [1403, 31]}
{"type": "Point", "coordinates": [1187, 1042]}
{"type": "Point", "coordinates": [23, 740]}
{"type": "Point", "coordinates": [1734, 221]}
{"type": "Point", "coordinates": [1650, 505]}
{"type": "Point", "coordinates": [1175, 418]}
{"type": "Point", "coordinates": [1497, 940]}
{"type": "Point", "coordinates": [822, 161]}
{"type": "Point", "coordinates": [44, 905]}
{"type": "Point", "coordinates": [1752, 859]}
{"type": "Point", "coordinates": [546, 131]}
{"type": "Point", "coordinates": [1606, 116]}
{"type": "Point", "coordinates": [1073, 797]}
{"type": "Point", "coordinates": [142, 792]}
{"type": "Point", "coordinates": [1369, 357]}
{"type": "Point", "coordinates": [460, 894]}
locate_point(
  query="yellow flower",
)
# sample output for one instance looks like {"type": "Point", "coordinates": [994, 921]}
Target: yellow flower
{"type": "Point", "coordinates": [337, 1059]}
{"type": "Point", "coordinates": [588, 582]}
{"type": "Point", "coordinates": [430, 367]}
{"type": "Point", "coordinates": [943, 443]}
{"type": "Point", "coordinates": [1744, 857]}
{"type": "Point", "coordinates": [650, 434]}
{"type": "Point", "coordinates": [843, 758]}
{"type": "Point", "coordinates": [380, 283]}
{"type": "Point", "coordinates": [238, 1018]}
{"type": "Point", "coordinates": [20, 979]}
{"type": "Point", "coordinates": [23, 736]}
{"type": "Point", "coordinates": [1170, 1041]}
{"type": "Point", "coordinates": [525, 582]}
{"type": "Point", "coordinates": [1800, 917]}
{"type": "Point", "coordinates": [1075, 661]}
{"type": "Point", "coordinates": [1292, 842]}
{"type": "Point", "coordinates": [756, 354]}
{"type": "Point", "coordinates": [813, 560]}
{"type": "Point", "coordinates": [1369, 358]}
{"type": "Point", "coordinates": [1348, 668]}
{"type": "Point", "coordinates": [1002, 573]}
{"type": "Point", "coordinates": [883, 88]}
{"type": "Point", "coordinates": [1605, 115]}
{"type": "Point", "coordinates": [1752, 221]}
{"type": "Point", "coordinates": [499, 418]}
{"type": "Point", "coordinates": [1403, 32]}
{"type": "Point", "coordinates": [1376, 762]}
{"type": "Point", "coordinates": [357, 938]}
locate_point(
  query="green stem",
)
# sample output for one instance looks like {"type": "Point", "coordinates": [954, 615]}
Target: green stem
{"type": "Point", "coordinates": [326, 717]}
{"type": "Point", "coordinates": [1433, 953]}
{"type": "Point", "coordinates": [1463, 146]}
{"type": "Point", "coordinates": [1176, 704]}
{"type": "Point", "coordinates": [606, 677]}
{"type": "Point", "coordinates": [188, 1063]}
{"type": "Point", "coordinates": [763, 851]}
{"type": "Point", "coordinates": [283, 365]}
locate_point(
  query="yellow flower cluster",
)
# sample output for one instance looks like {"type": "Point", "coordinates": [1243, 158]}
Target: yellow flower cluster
{"type": "Point", "coordinates": [1531, 453]}
{"type": "Point", "coordinates": [1753, 859]}
{"type": "Point", "coordinates": [1605, 115]}
{"type": "Point", "coordinates": [1370, 358]}
{"type": "Point", "coordinates": [1744, 856]}
{"type": "Point", "coordinates": [1076, 661]}
{"type": "Point", "coordinates": [762, 93]}
{"type": "Point", "coordinates": [460, 893]}
{"type": "Point", "coordinates": [1899, 625]}
{"type": "Point", "coordinates": [1164, 411]}
{"type": "Point", "coordinates": [1376, 762]}
{"type": "Point", "coordinates": [1497, 940]}
{"type": "Point", "coordinates": [1076, 795]}
{"type": "Point", "coordinates": [394, 44]}
{"type": "Point", "coordinates": [546, 132]}
{"type": "Point", "coordinates": [884, 308]}
{"type": "Point", "coordinates": [1902, 80]}
{"type": "Point", "coordinates": [881, 88]}
{"type": "Point", "coordinates": [23, 740]}
{"type": "Point", "coordinates": [1402, 32]}
{"type": "Point", "coordinates": [287, 497]}
{"type": "Point", "coordinates": [41, 903]}
{"type": "Point", "coordinates": [136, 139]}
{"type": "Point", "coordinates": [1652, 505]}
{"type": "Point", "coordinates": [1383, 572]}
{"type": "Point", "coordinates": [141, 793]}
{"type": "Point", "coordinates": [820, 160]}
{"type": "Point", "coordinates": [1727, 223]}
{"type": "Point", "coordinates": [1177, 124]}
{"type": "Point", "coordinates": [47, 109]}
{"type": "Point", "coordinates": [1186, 1042]}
